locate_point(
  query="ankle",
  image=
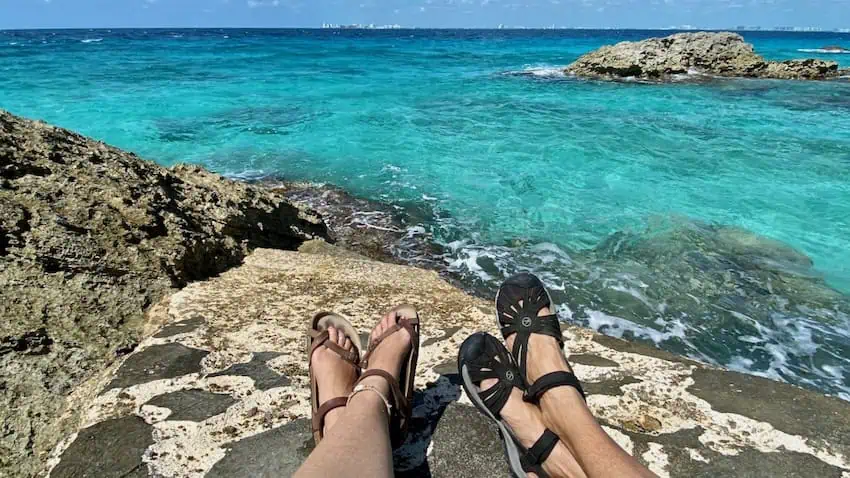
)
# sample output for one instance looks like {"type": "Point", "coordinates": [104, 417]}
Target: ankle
{"type": "Point", "coordinates": [379, 383]}
{"type": "Point", "coordinates": [331, 418]}
{"type": "Point", "coordinates": [527, 424]}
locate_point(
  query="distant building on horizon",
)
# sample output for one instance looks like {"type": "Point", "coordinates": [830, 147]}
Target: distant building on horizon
{"type": "Point", "coordinates": [360, 26]}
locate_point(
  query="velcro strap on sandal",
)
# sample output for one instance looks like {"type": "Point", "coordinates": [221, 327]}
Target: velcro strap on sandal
{"type": "Point", "coordinates": [552, 380]}
{"type": "Point", "coordinates": [534, 457]}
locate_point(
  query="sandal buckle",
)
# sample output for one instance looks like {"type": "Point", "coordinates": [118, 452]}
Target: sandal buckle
{"type": "Point", "coordinates": [526, 322]}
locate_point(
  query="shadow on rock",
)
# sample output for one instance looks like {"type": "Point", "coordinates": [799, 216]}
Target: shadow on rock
{"type": "Point", "coordinates": [411, 460]}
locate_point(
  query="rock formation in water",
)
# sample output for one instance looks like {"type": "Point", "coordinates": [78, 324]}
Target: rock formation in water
{"type": "Point", "coordinates": [90, 238]}
{"type": "Point", "coordinates": [718, 54]}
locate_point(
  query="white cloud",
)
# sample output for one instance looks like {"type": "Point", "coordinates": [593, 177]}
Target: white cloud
{"type": "Point", "coordinates": [263, 3]}
{"type": "Point", "coordinates": [421, 9]}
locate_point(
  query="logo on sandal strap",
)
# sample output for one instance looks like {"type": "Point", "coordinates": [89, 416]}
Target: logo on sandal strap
{"type": "Point", "coordinates": [509, 376]}
{"type": "Point", "coordinates": [526, 321]}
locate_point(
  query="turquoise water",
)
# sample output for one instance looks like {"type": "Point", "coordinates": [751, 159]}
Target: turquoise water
{"type": "Point", "coordinates": [650, 209]}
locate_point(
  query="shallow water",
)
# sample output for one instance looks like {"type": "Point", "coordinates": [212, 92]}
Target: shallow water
{"type": "Point", "coordinates": [613, 192]}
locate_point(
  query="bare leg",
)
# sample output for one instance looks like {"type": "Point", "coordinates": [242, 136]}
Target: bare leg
{"type": "Point", "coordinates": [566, 414]}
{"type": "Point", "coordinates": [358, 444]}
{"type": "Point", "coordinates": [526, 421]}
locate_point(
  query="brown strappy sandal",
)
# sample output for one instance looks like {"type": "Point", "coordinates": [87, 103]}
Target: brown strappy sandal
{"type": "Point", "coordinates": [317, 336]}
{"type": "Point", "coordinates": [402, 390]}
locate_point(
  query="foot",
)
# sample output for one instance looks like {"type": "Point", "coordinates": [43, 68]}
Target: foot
{"type": "Point", "coordinates": [544, 353]}
{"type": "Point", "coordinates": [334, 376]}
{"type": "Point", "coordinates": [527, 423]}
{"type": "Point", "coordinates": [392, 350]}
{"type": "Point", "coordinates": [524, 418]}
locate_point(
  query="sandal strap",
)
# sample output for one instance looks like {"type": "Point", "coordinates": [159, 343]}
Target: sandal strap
{"type": "Point", "coordinates": [399, 399]}
{"type": "Point", "coordinates": [534, 457]}
{"type": "Point", "coordinates": [523, 320]}
{"type": "Point", "coordinates": [552, 380]}
{"type": "Point", "coordinates": [321, 338]}
{"type": "Point", "coordinates": [319, 416]}
{"type": "Point", "coordinates": [523, 328]}
{"type": "Point", "coordinates": [408, 324]}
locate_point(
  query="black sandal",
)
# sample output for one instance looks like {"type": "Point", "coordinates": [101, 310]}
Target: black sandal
{"type": "Point", "coordinates": [523, 321]}
{"type": "Point", "coordinates": [482, 357]}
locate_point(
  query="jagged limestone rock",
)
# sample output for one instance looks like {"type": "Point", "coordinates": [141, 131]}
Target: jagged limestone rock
{"type": "Point", "coordinates": [719, 54]}
{"type": "Point", "coordinates": [91, 237]}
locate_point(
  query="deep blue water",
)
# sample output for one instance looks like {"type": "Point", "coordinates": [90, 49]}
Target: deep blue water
{"type": "Point", "coordinates": [681, 214]}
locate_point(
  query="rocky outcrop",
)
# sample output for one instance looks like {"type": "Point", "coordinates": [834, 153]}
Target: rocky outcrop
{"type": "Point", "coordinates": [717, 54]}
{"type": "Point", "coordinates": [90, 238]}
{"type": "Point", "coordinates": [808, 69]}
{"type": "Point", "coordinates": [222, 389]}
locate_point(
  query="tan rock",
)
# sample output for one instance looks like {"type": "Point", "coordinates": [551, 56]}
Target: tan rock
{"type": "Point", "coordinates": [91, 237]}
{"type": "Point", "coordinates": [708, 53]}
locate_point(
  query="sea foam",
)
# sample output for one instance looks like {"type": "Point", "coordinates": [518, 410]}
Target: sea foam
{"type": "Point", "coordinates": [824, 51]}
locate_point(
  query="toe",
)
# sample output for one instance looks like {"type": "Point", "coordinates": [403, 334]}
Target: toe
{"type": "Point", "coordinates": [347, 345]}
{"type": "Point", "coordinates": [377, 331]}
{"type": "Point", "coordinates": [340, 337]}
{"type": "Point", "coordinates": [389, 319]}
{"type": "Point", "coordinates": [332, 333]}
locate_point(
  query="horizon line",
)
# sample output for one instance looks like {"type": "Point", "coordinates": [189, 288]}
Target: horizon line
{"type": "Point", "coordinates": [776, 29]}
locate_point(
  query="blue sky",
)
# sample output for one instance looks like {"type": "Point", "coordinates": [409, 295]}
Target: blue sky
{"type": "Point", "coordinates": [422, 13]}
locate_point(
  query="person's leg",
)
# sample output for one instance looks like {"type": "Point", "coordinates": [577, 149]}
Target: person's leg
{"type": "Point", "coordinates": [358, 443]}
{"type": "Point", "coordinates": [526, 421]}
{"type": "Point", "coordinates": [566, 414]}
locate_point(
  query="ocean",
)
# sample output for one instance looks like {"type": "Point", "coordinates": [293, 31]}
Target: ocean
{"type": "Point", "coordinates": [710, 219]}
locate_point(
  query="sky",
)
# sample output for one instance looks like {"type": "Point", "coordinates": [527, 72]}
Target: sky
{"type": "Point", "coordinates": [423, 13]}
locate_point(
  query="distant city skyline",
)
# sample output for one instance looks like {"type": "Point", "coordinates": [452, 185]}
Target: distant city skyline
{"type": "Point", "coordinates": [826, 15]}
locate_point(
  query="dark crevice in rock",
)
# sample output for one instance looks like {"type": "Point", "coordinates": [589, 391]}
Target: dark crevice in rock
{"type": "Point", "coordinates": [71, 227]}
{"type": "Point", "coordinates": [14, 223]}
{"type": "Point", "coordinates": [31, 343]}
{"type": "Point", "coordinates": [16, 171]}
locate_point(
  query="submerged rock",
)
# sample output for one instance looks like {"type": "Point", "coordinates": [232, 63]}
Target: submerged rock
{"type": "Point", "coordinates": [90, 238]}
{"type": "Point", "coordinates": [720, 54]}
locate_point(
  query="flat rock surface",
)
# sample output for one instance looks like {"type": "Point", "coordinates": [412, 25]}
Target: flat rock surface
{"type": "Point", "coordinates": [700, 53]}
{"type": "Point", "coordinates": [677, 416]}
{"type": "Point", "coordinates": [91, 237]}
